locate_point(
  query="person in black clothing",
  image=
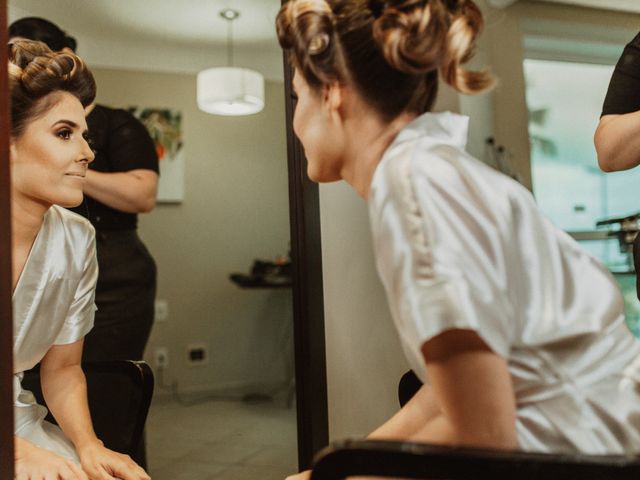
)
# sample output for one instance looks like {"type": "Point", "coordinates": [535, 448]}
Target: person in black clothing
{"type": "Point", "coordinates": [617, 138]}
{"type": "Point", "coordinates": [121, 182]}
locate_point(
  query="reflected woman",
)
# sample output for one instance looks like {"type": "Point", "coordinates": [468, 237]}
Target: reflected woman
{"type": "Point", "coordinates": [516, 332]}
{"type": "Point", "coordinates": [54, 266]}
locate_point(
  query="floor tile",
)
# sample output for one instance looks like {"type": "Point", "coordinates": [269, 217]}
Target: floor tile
{"type": "Point", "coordinates": [231, 440]}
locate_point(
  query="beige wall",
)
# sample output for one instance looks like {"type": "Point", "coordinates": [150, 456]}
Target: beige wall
{"type": "Point", "coordinates": [364, 359]}
{"type": "Point", "coordinates": [235, 209]}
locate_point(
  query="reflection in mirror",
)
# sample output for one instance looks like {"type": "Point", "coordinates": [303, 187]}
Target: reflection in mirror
{"type": "Point", "coordinates": [221, 348]}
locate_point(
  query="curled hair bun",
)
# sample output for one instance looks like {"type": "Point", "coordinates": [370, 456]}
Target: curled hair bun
{"type": "Point", "coordinates": [391, 51]}
{"type": "Point", "coordinates": [35, 72]}
{"type": "Point", "coordinates": [412, 35]}
{"type": "Point", "coordinates": [37, 67]}
{"type": "Point", "coordinates": [306, 27]}
{"type": "Point", "coordinates": [420, 36]}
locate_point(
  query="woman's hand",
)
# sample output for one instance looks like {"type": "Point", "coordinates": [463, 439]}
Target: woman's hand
{"type": "Point", "coordinates": [306, 475]}
{"type": "Point", "coordinates": [100, 463]}
{"type": "Point", "coordinates": [37, 463]}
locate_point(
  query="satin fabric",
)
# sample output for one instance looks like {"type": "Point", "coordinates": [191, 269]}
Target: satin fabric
{"type": "Point", "coordinates": [53, 304]}
{"type": "Point", "coordinates": [460, 245]}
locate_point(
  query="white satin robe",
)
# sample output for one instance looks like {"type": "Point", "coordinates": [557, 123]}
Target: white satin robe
{"type": "Point", "coordinates": [459, 245]}
{"type": "Point", "coordinates": [53, 304]}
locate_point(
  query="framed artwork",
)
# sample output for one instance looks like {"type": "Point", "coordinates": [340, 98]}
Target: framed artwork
{"type": "Point", "coordinates": [165, 127]}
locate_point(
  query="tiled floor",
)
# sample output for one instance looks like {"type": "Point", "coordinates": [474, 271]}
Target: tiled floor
{"type": "Point", "coordinates": [225, 440]}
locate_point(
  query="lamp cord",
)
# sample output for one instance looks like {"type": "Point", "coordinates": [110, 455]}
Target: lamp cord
{"type": "Point", "coordinates": [230, 42]}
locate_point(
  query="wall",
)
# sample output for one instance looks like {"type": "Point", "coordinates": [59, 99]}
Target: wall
{"type": "Point", "coordinates": [235, 210]}
{"type": "Point", "coordinates": [364, 360]}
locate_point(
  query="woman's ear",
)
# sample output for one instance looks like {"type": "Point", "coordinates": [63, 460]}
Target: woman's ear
{"type": "Point", "coordinates": [333, 97]}
{"type": "Point", "coordinates": [13, 153]}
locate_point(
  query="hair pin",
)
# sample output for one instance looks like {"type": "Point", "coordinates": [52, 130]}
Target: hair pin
{"type": "Point", "coordinates": [319, 43]}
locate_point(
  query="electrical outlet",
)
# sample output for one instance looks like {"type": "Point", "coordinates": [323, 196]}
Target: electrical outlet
{"type": "Point", "coordinates": [161, 357]}
{"type": "Point", "coordinates": [197, 354]}
{"type": "Point", "coordinates": [161, 310]}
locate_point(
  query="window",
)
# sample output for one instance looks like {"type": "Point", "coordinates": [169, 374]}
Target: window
{"type": "Point", "coordinates": [564, 101]}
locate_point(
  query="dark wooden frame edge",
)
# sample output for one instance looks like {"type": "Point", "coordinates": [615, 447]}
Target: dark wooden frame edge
{"type": "Point", "coordinates": [308, 298]}
{"type": "Point", "coordinates": [6, 323]}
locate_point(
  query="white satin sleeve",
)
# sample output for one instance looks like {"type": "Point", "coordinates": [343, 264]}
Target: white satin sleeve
{"type": "Point", "coordinates": [439, 252]}
{"type": "Point", "coordinates": [81, 313]}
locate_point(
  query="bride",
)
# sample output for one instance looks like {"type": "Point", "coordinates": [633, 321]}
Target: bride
{"type": "Point", "coordinates": [54, 267]}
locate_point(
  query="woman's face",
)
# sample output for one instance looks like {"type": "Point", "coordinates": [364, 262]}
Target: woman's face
{"type": "Point", "coordinates": [320, 136]}
{"type": "Point", "coordinates": [49, 159]}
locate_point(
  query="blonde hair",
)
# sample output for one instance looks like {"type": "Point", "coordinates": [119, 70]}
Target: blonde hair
{"type": "Point", "coordinates": [35, 72]}
{"type": "Point", "coordinates": [391, 51]}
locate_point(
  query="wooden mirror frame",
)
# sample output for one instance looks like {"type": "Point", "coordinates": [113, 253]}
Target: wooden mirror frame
{"type": "Point", "coordinates": [6, 323]}
{"type": "Point", "coordinates": [308, 297]}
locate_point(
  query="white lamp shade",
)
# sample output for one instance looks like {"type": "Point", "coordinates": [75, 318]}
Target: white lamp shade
{"type": "Point", "coordinates": [230, 91]}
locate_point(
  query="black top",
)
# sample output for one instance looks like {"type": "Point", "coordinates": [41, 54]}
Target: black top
{"type": "Point", "coordinates": [121, 143]}
{"type": "Point", "coordinates": [623, 95]}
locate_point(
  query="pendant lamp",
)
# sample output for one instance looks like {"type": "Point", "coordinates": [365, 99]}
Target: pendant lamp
{"type": "Point", "coordinates": [230, 90]}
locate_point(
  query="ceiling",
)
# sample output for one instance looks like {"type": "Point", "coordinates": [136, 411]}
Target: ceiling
{"type": "Point", "coordinates": [621, 5]}
{"type": "Point", "coordinates": [186, 21]}
{"type": "Point", "coordinates": [187, 35]}
{"type": "Point", "coordinates": [164, 35]}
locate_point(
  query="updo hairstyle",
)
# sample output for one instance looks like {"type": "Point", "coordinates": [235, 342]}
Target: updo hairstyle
{"type": "Point", "coordinates": [35, 72]}
{"type": "Point", "coordinates": [390, 51]}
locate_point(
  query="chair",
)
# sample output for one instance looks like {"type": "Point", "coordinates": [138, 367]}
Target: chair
{"type": "Point", "coordinates": [422, 461]}
{"type": "Point", "coordinates": [119, 394]}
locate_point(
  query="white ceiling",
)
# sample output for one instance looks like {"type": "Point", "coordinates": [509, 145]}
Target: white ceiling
{"type": "Point", "coordinates": [186, 35]}
{"type": "Point", "coordinates": [621, 5]}
{"type": "Point", "coordinates": [186, 21]}
{"type": "Point", "coordinates": [164, 35]}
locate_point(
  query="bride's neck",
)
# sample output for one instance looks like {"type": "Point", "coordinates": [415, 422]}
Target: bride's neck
{"type": "Point", "coordinates": [25, 221]}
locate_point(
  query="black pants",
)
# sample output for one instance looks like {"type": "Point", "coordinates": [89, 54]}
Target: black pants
{"type": "Point", "coordinates": [125, 296]}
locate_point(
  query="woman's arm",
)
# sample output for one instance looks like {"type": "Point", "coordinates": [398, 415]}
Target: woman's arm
{"type": "Point", "coordinates": [132, 192]}
{"type": "Point", "coordinates": [617, 142]}
{"type": "Point", "coordinates": [408, 421]}
{"type": "Point", "coordinates": [65, 391]}
{"type": "Point", "coordinates": [470, 401]}
{"type": "Point", "coordinates": [473, 387]}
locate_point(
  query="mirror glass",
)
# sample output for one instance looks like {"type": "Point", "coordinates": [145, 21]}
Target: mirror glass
{"type": "Point", "coordinates": [221, 346]}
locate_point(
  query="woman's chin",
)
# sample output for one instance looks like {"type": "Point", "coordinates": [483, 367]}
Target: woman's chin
{"type": "Point", "coordinates": [70, 201]}
{"type": "Point", "coordinates": [319, 176]}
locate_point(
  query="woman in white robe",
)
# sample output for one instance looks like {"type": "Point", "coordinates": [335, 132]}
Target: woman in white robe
{"type": "Point", "coordinates": [516, 332]}
{"type": "Point", "coordinates": [54, 267]}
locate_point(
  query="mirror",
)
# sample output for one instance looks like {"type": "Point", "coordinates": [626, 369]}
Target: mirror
{"type": "Point", "coordinates": [222, 354]}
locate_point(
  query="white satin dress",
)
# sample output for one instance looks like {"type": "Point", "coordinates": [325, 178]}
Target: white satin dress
{"type": "Point", "coordinates": [460, 245]}
{"type": "Point", "coordinates": [53, 304]}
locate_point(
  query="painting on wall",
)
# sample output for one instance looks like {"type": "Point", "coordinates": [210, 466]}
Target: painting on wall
{"type": "Point", "coordinates": [165, 127]}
